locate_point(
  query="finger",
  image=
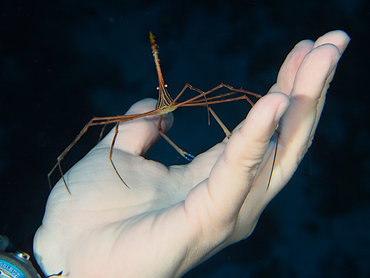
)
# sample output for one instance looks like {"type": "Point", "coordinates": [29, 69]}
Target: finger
{"type": "Point", "coordinates": [139, 135]}
{"type": "Point", "coordinates": [290, 67]}
{"type": "Point", "coordinates": [297, 124]}
{"type": "Point", "coordinates": [338, 38]}
{"type": "Point", "coordinates": [220, 198]}
{"type": "Point", "coordinates": [341, 40]}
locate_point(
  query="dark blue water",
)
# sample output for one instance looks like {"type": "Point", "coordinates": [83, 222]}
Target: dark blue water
{"type": "Point", "coordinates": [62, 63]}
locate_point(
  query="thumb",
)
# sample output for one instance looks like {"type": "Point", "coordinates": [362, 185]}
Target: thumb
{"type": "Point", "coordinates": [139, 135]}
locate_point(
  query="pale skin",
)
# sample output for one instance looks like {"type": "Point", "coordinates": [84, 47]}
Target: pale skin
{"type": "Point", "coordinates": [172, 219]}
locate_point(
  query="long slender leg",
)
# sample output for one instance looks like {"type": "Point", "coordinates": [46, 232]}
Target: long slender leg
{"type": "Point", "coordinates": [111, 154]}
{"type": "Point", "coordinates": [186, 155]}
{"type": "Point", "coordinates": [101, 133]}
{"type": "Point", "coordinates": [273, 162]}
{"type": "Point", "coordinates": [61, 156]}
{"type": "Point", "coordinates": [195, 99]}
{"type": "Point", "coordinates": [224, 128]}
{"type": "Point", "coordinates": [201, 94]}
{"type": "Point", "coordinates": [217, 99]}
{"type": "Point", "coordinates": [92, 122]}
{"type": "Point", "coordinates": [221, 99]}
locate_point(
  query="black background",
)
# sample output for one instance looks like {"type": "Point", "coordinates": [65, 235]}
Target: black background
{"type": "Point", "coordinates": [63, 62]}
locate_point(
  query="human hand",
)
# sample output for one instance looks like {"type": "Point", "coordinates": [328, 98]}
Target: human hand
{"type": "Point", "coordinates": [170, 220]}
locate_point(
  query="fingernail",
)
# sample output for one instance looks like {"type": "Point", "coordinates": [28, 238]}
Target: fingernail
{"type": "Point", "coordinates": [281, 110]}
